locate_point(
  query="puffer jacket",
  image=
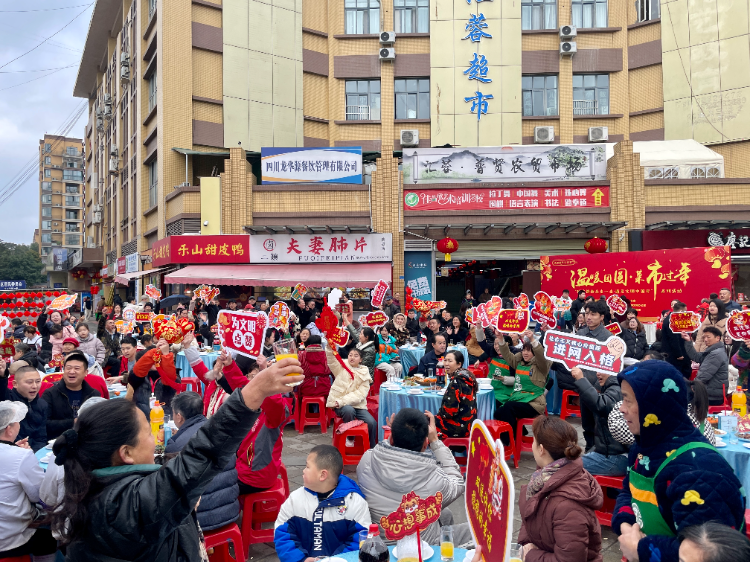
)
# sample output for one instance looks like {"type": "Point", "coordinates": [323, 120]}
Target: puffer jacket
{"type": "Point", "coordinates": [93, 346]}
{"type": "Point", "coordinates": [459, 407]}
{"type": "Point", "coordinates": [635, 342]}
{"type": "Point", "coordinates": [382, 477]}
{"type": "Point", "coordinates": [351, 384]}
{"type": "Point", "coordinates": [601, 404]}
{"type": "Point", "coordinates": [700, 347]}
{"type": "Point", "coordinates": [714, 369]}
{"type": "Point", "coordinates": [387, 351]}
{"type": "Point", "coordinates": [539, 370]}
{"type": "Point", "coordinates": [560, 519]}
{"type": "Point", "coordinates": [317, 374]}
{"type": "Point", "coordinates": [34, 425]}
{"type": "Point", "coordinates": [367, 350]}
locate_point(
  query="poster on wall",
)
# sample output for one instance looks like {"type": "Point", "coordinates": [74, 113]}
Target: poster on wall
{"type": "Point", "coordinates": [341, 164]}
{"type": "Point", "coordinates": [419, 270]}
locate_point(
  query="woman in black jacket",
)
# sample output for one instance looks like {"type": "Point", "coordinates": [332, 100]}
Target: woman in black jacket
{"type": "Point", "coordinates": [119, 505]}
{"type": "Point", "coordinates": [634, 335]}
{"type": "Point", "coordinates": [457, 332]}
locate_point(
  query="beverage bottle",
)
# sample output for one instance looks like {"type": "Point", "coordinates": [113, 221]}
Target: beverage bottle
{"type": "Point", "coordinates": [374, 549]}
{"type": "Point", "coordinates": [739, 402]}
{"type": "Point", "coordinates": [157, 423]}
{"type": "Point", "coordinates": [440, 372]}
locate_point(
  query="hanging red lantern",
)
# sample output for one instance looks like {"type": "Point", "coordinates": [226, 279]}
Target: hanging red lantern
{"type": "Point", "coordinates": [56, 293]}
{"type": "Point", "coordinates": [447, 246]}
{"type": "Point", "coordinates": [595, 246]}
{"type": "Point", "coordinates": [94, 290]}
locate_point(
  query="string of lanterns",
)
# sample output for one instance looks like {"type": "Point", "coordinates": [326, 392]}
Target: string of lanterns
{"type": "Point", "coordinates": [31, 305]}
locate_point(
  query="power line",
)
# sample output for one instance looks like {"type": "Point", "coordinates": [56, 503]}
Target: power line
{"type": "Point", "coordinates": [35, 70]}
{"type": "Point", "coordinates": [40, 10]}
{"type": "Point", "coordinates": [37, 78]}
{"type": "Point", "coordinates": [17, 32]}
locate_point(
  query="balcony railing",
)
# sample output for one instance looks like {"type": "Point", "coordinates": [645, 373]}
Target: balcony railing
{"type": "Point", "coordinates": [357, 112]}
{"type": "Point", "coordinates": [585, 107]}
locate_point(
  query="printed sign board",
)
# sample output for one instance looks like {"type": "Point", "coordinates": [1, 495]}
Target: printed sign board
{"type": "Point", "coordinates": [311, 165]}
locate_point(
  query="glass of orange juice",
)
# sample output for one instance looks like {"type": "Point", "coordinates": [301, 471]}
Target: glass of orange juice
{"type": "Point", "coordinates": [446, 544]}
{"type": "Point", "coordinates": [284, 349]}
{"type": "Point", "coordinates": [516, 552]}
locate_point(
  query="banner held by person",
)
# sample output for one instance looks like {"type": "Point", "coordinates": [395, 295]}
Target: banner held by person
{"type": "Point", "coordinates": [63, 302]}
{"type": "Point", "coordinates": [586, 353]}
{"type": "Point", "coordinates": [152, 292]}
{"type": "Point", "coordinates": [617, 305]}
{"type": "Point", "coordinates": [378, 294]}
{"type": "Point", "coordinates": [299, 291]}
{"type": "Point", "coordinates": [738, 325]}
{"type": "Point", "coordinates": [243, 331]}
{"type": "Point", "coordinates": [614, 328]}
{"type": "Point", "coordinates": [485, 313]}
{"type": "Point", "coordinates": [374, 319]}
{"type": "Point", "coordinates": [207, 293]}
{"type": "Point", "coordinates": [543, 311]}
{"type": "Point", "coordinates": [685, 322]}
{"type": "Point", "coordinates": [4, 325]}
{"type": "Point", "coordinates": [278, 316]}
{"type": "Point", "coordinates": [413, 515]}
{"type": "Point", "coordinates": [329, 325]}
{"type": "Point", "coordinates": [512, 321]}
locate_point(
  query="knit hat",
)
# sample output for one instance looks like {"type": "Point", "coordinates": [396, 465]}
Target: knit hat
{"type": "Point", "coordinates": [74, 341]}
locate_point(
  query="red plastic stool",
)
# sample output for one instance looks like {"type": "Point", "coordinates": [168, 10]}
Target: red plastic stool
{"type": "Point", "coordinates": [477, 372]}
{"type": "Point", "coordinates": [24, 558]}
{"type": "Point", "coordinates": [524, 443]}
{"type": "Point", "coordinates": [725, 406]}
{"type": "Point", "coordinates": [306, 417]}
{"type": "Point", "coordinates": [373, 405]}
{"type": "Point", "coordinates": [219, 540]}
{"type": "Point", "coordinates": [194, 383]}
{"type": "Point", "coordinates": [387, 436]}
{"type": "Point", "coordinates": [459, 442]}
{"type": "Point", "coordinates": [484, 367]}
{"type": "Point", "coordinates": [262, 507]}
{"type": "Point", "coordinates": [380, 377]}
{"type": "Point", "coordinates": [608, 507]}
{"type": "Point", "coordinates": [496, 429]}
{"type": "Point", "coordinates": [567, 409]}
{"type": "Point", "coordinates": [361, 436]}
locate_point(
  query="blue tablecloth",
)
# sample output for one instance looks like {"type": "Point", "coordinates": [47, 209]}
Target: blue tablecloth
{"type": "Point", "coordinates": [458, 555]}
{"type": "Point", "coordinates": [738, 458]}
{"type": "Point", "coordinates": [391, 401]}
{"type": "Point", "coordinates": [40, 454]}
{"type": "Point", "coordinates": [180, 362]}
{"type": "Point", "coordinates": [410, 356]}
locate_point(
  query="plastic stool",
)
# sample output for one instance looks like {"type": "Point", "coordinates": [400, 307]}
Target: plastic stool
{"type": "Point", "coordinates": [725, 406]}
{"type": "Point", "coordinates": [262, 507]}
{"type": "Point", "coordinates": [387, 435]}
{"type": "Point", "coordinates": [219, 540]}
{"type": "Point", "coordinates": [567, 409]}
{"type": "Point", "coordinates": [194, 383]}
{"type": "Point", "coordinates": [484, 367]}
{"type": "Point", "coordinates": [496, 429]}
{"type": "Point", "coordinates": [306, 417]}
{"type": "Point", "coordinates": [379, 377]}
{"type": "Point", "coordinates": [361, 436]}
{"type": "Point", "coordinates": [459, 442]}
{"type": "Point", "coordinates": [524, 443]}
{"type": "Point", "coordinates": [608, 507]}
{"type": "Point", "coordinates": [373, 405]}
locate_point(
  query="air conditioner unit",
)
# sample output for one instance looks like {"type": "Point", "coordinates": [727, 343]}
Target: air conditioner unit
{"type": "Point", "coordinates": [387, 37]}
{"type": "Point", "coordinates": [99, 124]}
{"type": "Point", "coordinates": [387, 54]}
{"type": "Point", "coordinates": [97, 208]}
{"type": "Point", "coordinates": [58, 205]}
{"type": "Point", "coordinates": [124, 74]}
{"type": "Point", "coordinates": [90, 242]}
{"type": "Point", "coordinates": [598, 134]}
{"type": "Point", "coordinates": [55, 230]}
{"type": "Point", "coordinates": [568, 48]}
{"type": "Point", "coordinates": [409, 137]}
{"type": "Point", "coordinates": [124, 59]}
{"type": "Point", "coordinates": [56, 223]}
{"type": "Point", "coordinates": [568, 32]}
{"type": "Point", "coordinates": [107, 99]}
{"type": "Point", "coordinates": [113, 151]}
{"type": "Point", "coordinates": [97, 218]}
{"type": "Point", "coordinates": [544, 135]}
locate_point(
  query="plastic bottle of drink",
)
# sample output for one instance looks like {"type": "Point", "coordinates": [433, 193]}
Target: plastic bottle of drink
{"type": "Point", "coordinates": [739, 402]}
{"type": "Point", "coordinates": [440, 372]}
{"type": "Point", "coordinates": [374, 549]}
{"type": "Point", "coordinates": [157, 423]}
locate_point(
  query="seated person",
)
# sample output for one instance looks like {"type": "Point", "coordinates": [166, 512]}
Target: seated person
{"type": "Point", "coordinates": [157, 365]}
{"type": "Point", "coordinates": [145, 341]}
{"type": "Point", "coordinates": [66, 396]}
{"type": "Point", "coordinates": [128, 348]}
{"type": "Point", "coordinates": [366, 343]}
{"type": "Point", "coordinates": [32, 338]}
{"type": "Point", "coordinates": [501, 373]}
{"type": "Point", "coordinates": [348, 396]}
{"type": "Point", "coordinates": [532, 369]}
{"type": "Point", "coordinates": [459, 408]}
{"type": "Point", "coordinates": [714, 364]}
{"type": "Point", "coordinates": [403, 463]}
{"type": "Point", "coordinates": [476, 353]}
{"type": "Point", "coordinates": [90, 344]}
{"type": "Point", "coordinates": [26, 384]}
{"type": "Point", "coordinates": [741, 360]}
{"type": "Point", "coordinates": [412, 324]}
{"type": "Point", "coordinates": [397, 328]}
{"type": "Point", "coordinates": [19, 491]}
{"type": "Point", "coordinates": [713, 542]}
{"type": "Point", "coordinates": [456, 331]}
{"type": "Point", "coordinates": [634, 335]}
{"type": "Point", "coordinates": [430, 359]}
{"type": "Point", "coordinates": [675, 478]}
{"type": "Point", "coordinates": [25, 352]}
{"type": "Point", "coordinates": [315, 365]}
{"type": "Point", "coordinates": [324, 517]}
{"type": "Point", "coordinates": [387, 358]}
{"type": "Point", "coordinates": [430, 329]}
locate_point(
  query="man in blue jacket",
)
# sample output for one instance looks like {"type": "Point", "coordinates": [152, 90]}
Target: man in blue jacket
{"type": "Point", "coordinates": [26, 385]}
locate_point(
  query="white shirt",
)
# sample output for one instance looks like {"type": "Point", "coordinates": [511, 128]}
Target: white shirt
{"type": "Point", "coordinates": [19, 490]}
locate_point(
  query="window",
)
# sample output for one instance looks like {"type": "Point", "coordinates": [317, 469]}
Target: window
{"type": "Point", "coordinates": [153, 183]}
{"type": "Point", "coordinates": [701, 172]}
{"type": "Point", "coordinates": [591, 94]}
{"type": "Point", "coordinates": [590, 13]}
{"type": "Point", "coordinates": [72, 175]}
{"type": "Point", "coordinates": [47, 199]}
{"type": "Point", "coordinates": [362, 16]}
{"type": "Point", "coordinates": [45, 251]}
{"type": "Point", "coordinates": [71, 227]}
{"type": "Point", "coordinates": [668, 173]}
{"type": "Point", "coordinates": [46, 211]}
{"type": "Point", "coordinates": [46, 225]}
{"type": "Point", "coordinates": [412, 98]}
{"type": "Point", "coordinates": [71, 201]}
{"type": "Point", "coordinates": [72, 240]}
{"type": "Point", "coordinates": [48, 160]}
{"type": "Point", "coordinates": [47, 173]}
{"type": "Point", "coordinates": [152, 91]}
{"type": "Point", "coordinates": [412, 16]}
{"type": "Point", "coordinates": [47, 238]}
{"type": "Point", "coordinates": [538, 14]}
{"type": "Point", "coordinates": [71, 215]}
{"type": "Point", "coordinates": [71, 188]}
{"type": "Point", "coordinates": [72, 151]}
{"type": "Point", "coordinates": [71, 164]}
{"type": "Point", "coordinates": [47, 147]}
{"type": "Point", "coordinates": [648, 10]}
{"type": "Point", "coordinates": [151, 8]}
{"type": "Point", "coordinates": [362, 100]}
{"type": "Point", "coordinates": [539, 95]}
{"type": "Point", "coordinates": [46, 186]}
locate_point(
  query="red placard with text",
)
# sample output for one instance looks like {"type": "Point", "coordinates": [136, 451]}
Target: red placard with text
{"type": "Point", "coordinates": [374, 319]}
{"type": "Point", "coordinates": [685, 322]}
{"type": "Point", "coordinates": [738, 325]}
{"type": "Point", "coordinates": [587, 353]}
{"type": "Point", "coordinates": [512, 321]}
{"type": "Point", "coordinates": [489, 199]}
{"type": "Point", "coordinates": [614, 328]}
{"type": "Point", "coordinates": [243, 331]}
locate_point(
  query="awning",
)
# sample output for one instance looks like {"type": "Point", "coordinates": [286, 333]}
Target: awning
{"type": "Point", "coordinates": [285, 275]}
{"type": "Point", "coordinates": [126, 278]}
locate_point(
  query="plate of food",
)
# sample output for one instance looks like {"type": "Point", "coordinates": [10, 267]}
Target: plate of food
{"type": "Point", "coordinates": [427, 382]}
{"type": "Point", "coordinates": [416, 391]}
{"type": "Point", "coordinates": [720, 432]}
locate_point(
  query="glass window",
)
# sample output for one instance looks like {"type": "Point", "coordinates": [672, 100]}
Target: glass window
{"type": "Point", "coordinates": [701, 172]}
{"type": "Point", "coordinates": [73, 175]}
{"type": "Point", "coordinates": [539, 95]}
{"type": "Point", "coordinates": [538, 14]}
{"type": "Point", "coordinates": [671, 172]}
{"type": "Point", "coordinates": [591, 94]}
{"type": "Point", "coordinates": [71, 201]}
{"type": "Point", "coordinates": [47, 199]}
{"type": "Point", "coordinates": [47, 238]}
{"type": "Point", "coordinates": [71, 227]}
{"type": "Point", "coordinates": [46, 186]}
{"type": "Point", "coordinates": [46, 211]}
{"type": "Point", "coordinates": [72, 240]}
{"type": "Point", "coordinates": [648, 10]}
{"type": "Point", "coordinates": [362, 100]}
{"type": "Point", "coordinates": [46, 225]}
{"type": "Point", "coordinates": [590, 13]}
{"type": "Point", "coordinates": [362, 16]}
{"type": "Point", "coordinates": [412, 98]}
{"type": "Point", "coordinates": [153, 183]}
{"type": "Point", "coordinates": [151, 8]}
{"type": "Point", "coordinates": [72, 151]}
{"type": "Point", "coordinates": [411, 16]}
{"type": "Point", "coordinates": [47, 173]}
{"type": "Point", "coordinates": [48, 160]}
{"type": "Point", "coordinates": [71, 188]}
{"type": "Point", "coordinates": [71, 215]}
{"type": "Point", "coordinates": [152, 91]}
{"type": "Point", "coordinates": [47, 147]}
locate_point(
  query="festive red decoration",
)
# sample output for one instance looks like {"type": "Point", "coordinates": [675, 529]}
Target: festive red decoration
{"type": "Point", "coordinates": [48, 293]}
{"type": "Point", "coordinates": [56, 293]}
{"type": "Point", "coordinates": [94, 290]}
{"type": "Point", "coordinates": [447, 246]}
{"type": "Point", "coordinates": [595, 246]}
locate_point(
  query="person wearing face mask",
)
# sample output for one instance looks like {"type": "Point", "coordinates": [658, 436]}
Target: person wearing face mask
{"type": "Point", "coordinates": [459, 407]}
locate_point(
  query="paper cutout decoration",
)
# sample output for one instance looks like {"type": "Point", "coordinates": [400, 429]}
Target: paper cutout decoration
{"type": "Point", "coordinates": [617, 305]}
{"type": "Point", "coordinates": [334, 297]}
{"type": "Point", "coordinates": [614, 328]}
{"type": "Point", "coordinates": [562, 304]}
{"type": "Point", "coordinates": [512, 321]}
{"type": "Point", "coordinates": [152, 292]}
{"type": "Point", "coordinates": [587, 353]}
{"type": "Point", "coordinates": [124, 326]}
{"type": "Point", "coordinates": [378, 294]}
{"type": "Point", "coordinates": [243, 331]}
{"type": "Point", "coordinates": [278, 316]}
{"type": "Point", "coordinates": [544, 309]}
{"type": "Point", "coordinates": [207, 293]}
{"type": "Point", "coordinates": [374, 319]}
{"type": "Point", "coordinates": [738, 325]}
{"type": "Point", "coordinates": [170, 328]}
{"type": "Point", "coordinates": [4, 325]}
{"type": "Point", "coordinates": [329, 325]}
{"type": "Point", "coordinates": [63, 302]}
{"type": "Point", "coordinates": [299, 291]}
{"type": "Point", "coordinates": [426, 306]}
{"type": "Point", "coordinates": [521, 301]}
{"type": "Point", "coordinates": [685, 322]}
{"type": "Point", "coordinates": [413, 515]}
{"type": "Point", "coordinates": [144, 316]}
{"type": "Point", "coordinates": [489, 494]}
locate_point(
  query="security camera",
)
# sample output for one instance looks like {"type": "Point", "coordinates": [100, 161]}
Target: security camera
{"type": "Point", "coordinates": [205, 223]}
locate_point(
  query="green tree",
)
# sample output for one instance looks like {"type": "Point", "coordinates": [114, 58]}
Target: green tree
{"type": "Point", "coordinates": [21, 262]}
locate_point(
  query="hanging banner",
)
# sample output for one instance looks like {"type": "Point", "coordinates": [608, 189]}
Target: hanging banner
{"type": "Point", "coordinates": [650, 280]}
{"type": "Point", "coordinates": [321, 248]}
{"type": "Point", "coordinates": [311, 165]}
{"type": "Point", "coordinates": [418, 273]}
{"type": "Point", "coordinates": [243, 331]}
{"type": "Point", "coordinates": [481, 199]}
{"type": "Point", "coordinates": [738, 325]}
{"type": "Point", "coordinates": [587, 353]}
{"type": "Point", "coordinates": [685, 322]}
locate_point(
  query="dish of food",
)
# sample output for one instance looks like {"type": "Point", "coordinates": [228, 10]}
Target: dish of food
{"type": "Point", "coordinates": [720, 432]}
{"type": "Point", "coordinates": [426, 382]}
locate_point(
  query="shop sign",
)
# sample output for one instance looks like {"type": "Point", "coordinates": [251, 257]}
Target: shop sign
{"type": "Point", "coordinates": [323, 248]}
{"type": "Point", "coordinates": [311, 165]}
{"type": "Point", "coordinates": [650, 280]}
{"type": "Point", "coordinates": [111, 269]}
{"type": "Point", "coordinates": [131, 263]}
{"type": "Point", "coordinates": [737, 239]}
{"type": "Point", "coordinates": [104, 271]}
{"type": "Point", "coordinates": [418, 269]}
{"type": "Point", "coordinates": [122, 266]}
{"type": "Point", "coordinates": [4, 285]}
{"type": "Point", "coordinates": [481, 199]}
{"type": "Point", "coordinates": [507, 163]}
{"type": "Point", "coordinates": [187, 249]}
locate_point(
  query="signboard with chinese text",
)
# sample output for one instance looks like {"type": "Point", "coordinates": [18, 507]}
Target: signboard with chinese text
{"type": "Point", "coordinates": [144, 316]}
{"type": "Point", "coordinates": [152, 292]}
{"type": "Point", "coordinates": [532, 162]}
{"type": "Point", "coordinates": [482, 199]}
{"type": "Point", "coordinates": [122, 265]}
{"type": "Point", "coordinates": [614, 328]}
{"type": "Point", "coordinates": [685, 322]}
{"type": "Point", "coordinates": [4, 325]}
{"type": "Point", "coordinates": [650, 280]}
{"type": "Point", "coordinates": [63, 302]}
{"type": "Point", "coordinates": [374, 319]}
{"type": "Point", "coordinates": [11, 285]}
{"type": "Point", "coordinates": [586, 353]}
{"type": "Point", "coordinates": [323, 248]}
{"type": "Point", "coordinates": [738, 239]}
{"type": "Point", "coordinates": [131, 263]}
{"type": "Point", "coordinates": [190, 249]}
{"type": "Point", "coordinates": [512, 321]}
{"type": "Point", "coordinates": [311, 165]}
{"type": "Point", "coordinates": [738, 325]}
{"type": "Point", "coordinates": [419, 273]}
{"type": "Point", "coordinates": [544, 309]}
{"type": "Point", "coordinates": [242, 331]}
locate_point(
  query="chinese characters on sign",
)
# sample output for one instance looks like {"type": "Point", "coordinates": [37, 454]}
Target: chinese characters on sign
{"type": "Point", "coordinates": [478, 65]}
{"type": "Point", "coordinates": [738, 325]}
{"type": "Point", "coordinates": [63, 302]}
{"type": "Point", "coordinates": [243, 332]}
{"type": "Point", "coordinates": [374, 319]}
{"type": "Point", "coordinates": [420, 287]}
{"type": "Point", "coordinates": [187, 249]}
{"type": "Point", "coordinates": [685, 322]}
{"type": "Point", "coordinates": [587, 353]}
{"type": "Point", "coordinates": [488, 199]}
{"type": "Point", "coordinates": [12, 285]}
{"type": "Point", "coordinates": [378, 293]}
{"type": "Point", "coordinates": [419, 272]}
{"type": "Point", "coordinates": [733, 241]}
{"type": "Point", "coordinates": [311, 165]}
{"type": "Point", "coordinates": [327, 248]}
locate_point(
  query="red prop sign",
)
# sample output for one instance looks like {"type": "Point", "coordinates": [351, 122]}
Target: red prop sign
{"type": "Point", "coordinates": [207, 293]}
{"type": "Point", "coordinates": [345, 309]}
{"type": "Point", "coordinates": [521, 301]}
{"type": "Point", "coordinates": [378, 294]}
{"type": "Point", "coordinates": [512, 321]}
{"type": "Point", "coordinates": [587, 353]}
{"type": "Point", "coordinates": [170, 328]}
{"type": "Point", "coordinates": [374, 319]}
{"type": "Point", "coordinates": [243, 331]}
{"type": "Point", "coordinates": [614, 328]}
{"type": "Point", "coordinates": [544, 309]}
{"type": "Point", "coordinates": [685, 322]}
{"type": "Point", "coordinates": [738, 325]}
{"type": "Point", "coordinates": [152, 292]}
{"type": "Point", "coordinates": [4, 325]}
{"type": "Point", "coordinates": [329, 325]}
{"type": "Point", "coordinates": [486, 313]}
{"type": "Point", "coordinates": [489, 494]}
{"type": "Point", "coordinates": [144, 316]}
{"type": "Point", "coordinates": [617, 305]}
{"type": "Point", "coordinates": [7, 350]}
{"type": "Point", "coordinates": [412, 516]}
{"type": "Point", "coordinates": [650, 280]}
{"type": "Point", "coordinates": [299, 291]}
{"type": "Point", "coordinates": [426, 306]}
{"type": "Point", "coordinates": [63, 302]}
{"type": "Point", "coordinates": [278, 316]}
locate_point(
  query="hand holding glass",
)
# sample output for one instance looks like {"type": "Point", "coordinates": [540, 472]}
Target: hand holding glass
{"type": "Point", "coordinates": [284, 349]}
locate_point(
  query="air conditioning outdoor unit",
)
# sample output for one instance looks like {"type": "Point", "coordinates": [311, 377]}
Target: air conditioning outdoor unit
{"type": "Point", "coordinates": [58, 205]}
{"type": "Point", "coordinates": [56, 223]}
{"type": "Point", "coordinates": [387, 37]}
{"type": "Point", "coordinates": [96, 218]}
{"type": "Point", "coordinates": [124, 59]}
{"type": "Point", "coordinates": [97, 208]}
{"type": "Point", "coordinates": [409, 137]}
{"type": "Point", "coordinates": [598, 134]}
{"type": "Point", "coordinates": [568, 48]}
{"type": "Point", "coordinates": [107, 99]}
{"type": "Point", "coordinates": [55, 230]}
{"type": "Point", "coordinates": [387, 54]}
{"type": "Point", "coordinates": [124, 74]}
{"type": "Point", "coordinates": [544, 135]}
{"type": "Point", "coordinates": [568, 32]}
{"type": "Point", "coordinates": [113, 151]}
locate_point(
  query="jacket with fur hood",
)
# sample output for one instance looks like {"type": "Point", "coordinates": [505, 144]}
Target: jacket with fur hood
{"type": "Point", "coordinates": [91, 345]}
{"type": "Point", "coordinates": [397, 327]}
{"type": "Point", "coordinates": [351, 384]}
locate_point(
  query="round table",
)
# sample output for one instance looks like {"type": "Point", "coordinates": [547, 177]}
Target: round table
{"type": "Point", "coordinates": [391, 401]}
{"type": "Point", "coordinates": [411, 355]}
{"type": "Point", "coordinates": [181, 362]}
{"type": "Point", "coordinates": [458, 555]}
{"type": "Point", "coordinates": [40, 454]}
{"type": "Point", "coordinates": [738, 458]}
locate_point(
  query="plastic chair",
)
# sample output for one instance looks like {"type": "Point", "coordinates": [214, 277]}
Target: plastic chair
{"type": "Point", "coordinates": [484, 367]}
{"type": "Point", "coordinates": [387, 434]}
{"type": "Point", "coordinates": [353, 454]}
{"type": "Point", "coordinates": [477, 372]}
{"type": "Point", "coordinates": [373, 405]}
{"type": "Point", "coordinates": [567, 409]}
{"type": "Point", "coordinates": [496, 429]}
{"type": "Point", "coordinates": [524, 443]}
{"type": "Point", "coordinates": [306, 417]}
{"type": "Point", "coordinates": [379, 377]}
{"type": "Point", "coordinates": [194, 383]}
{"type": "Point", "coordinates": [24, 558]}
{"type": "Point", "coordinates": [608, 507]}
{"type": "Point", "coordinates": [462, 461]}
{"type": "Point", "coordinates": [262, 507]}
{"type": "Point", "coordinates": [219, 540]}
{"type": "Point", "coordinates": [725, 406]}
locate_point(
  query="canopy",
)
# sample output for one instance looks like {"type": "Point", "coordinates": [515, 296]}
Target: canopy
{"type": "Point", "coordinates": [125, 278]}
{"type": "Point", "coordinates": [364, 275]}
{"type": "Point", "coordinates": [683, 154]}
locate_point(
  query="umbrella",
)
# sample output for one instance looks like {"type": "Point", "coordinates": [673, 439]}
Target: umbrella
{"type": "Point", "coordinates": [172, 300]}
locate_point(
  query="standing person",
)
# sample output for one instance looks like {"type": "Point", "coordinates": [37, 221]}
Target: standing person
{"type": "Point", "coordinates": [714, 363]}
{"type": "Point", "coordinates": [387, 358]}
{"type": "Point", "coordinates": [90, 344]}
{"type": "Point", "coordinates": [485, 296]}
{"type": "Point", "coordinates": [302, 338]}
{"type": "Point", "coordinates": [673, 346]}
{"type": "Point", "coordinates": [87, 308]}
{"type": "Point", "coordinates": [348, 396]}
{"type": "Point", "coordinates": [634, 335]}
{"type": "Point", "coordinates": [412, 323]}
{"type": "Point", "coordinates": [390, 307]}
{"type": "Point", "coordinates": [26, 385]}
{"type": "Point", "coordinates": [458, 409]}
{"type": "Point", "coordinates": [577, 305]}
{"type": "Point", "coordinates": [726, 297]}
{"type": "Point", "coordinates": [716, 317]}
{"type": "Point", "coordinates": [32, 338]}
{"type": "Point", "coordinates": [50, 317]}
{"type": "Point", "coordinates": [558, 505]}
{"type": "Point", "coordinates": [469, 301]}
{"type": "Point", "coordinates": [445, 319]}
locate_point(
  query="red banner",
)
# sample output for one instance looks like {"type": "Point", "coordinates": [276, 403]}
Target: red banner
{"type": "Point", "coordinates": [144, 316]}
{"type": "Point", "coordinates": [587, 353]}
{"type": "Point", "coordinates": [490, 199]}
{"type": "Point", "coordinates": [684, 322]}
{"type": "Point", "coordinates": [738, 325]}
{"type": "Point", "coordinates": [650, 280]}
{"type": "Point", "coordinates": [614, 327]}
{"type": "Point", "coordinates": [378, 293]}
{"type": "Point", "coordinates": [217, 248]}
{"type": "Point", "coordinates": [122, 266]}
{"type": "Point", "coordinates": [243, 332]}
{"type": "Point", "coordinates": [7, 350]}
{"type": "Point", "coordinates": [374, 319]}
{"type": "Point", "coordinates": [512, 321]}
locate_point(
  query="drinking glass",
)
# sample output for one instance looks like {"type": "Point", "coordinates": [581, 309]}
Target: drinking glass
{"type": "Point", "coordinates": [446, 544]}
{"type": "Point", "coordinates": [516, 552]}
{"type": "Point", "coordinates": [284, 349]}
{"type": "Point", "coordinates": [362, 537]}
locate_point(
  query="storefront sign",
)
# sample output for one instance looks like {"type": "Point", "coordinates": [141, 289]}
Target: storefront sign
{"type": "Point", "coordinates": [243, 332]}
{"type": "Point", "coordinates": [507, 163]}
{"type": "Point", "coordinates": [738, 325]}
{"type": "Point", "coordinates": [482, 199]}
{"type": "Point", "coordinates": [650, 280]}
{"type": "Point", "coordinates": [104, 272]}
{"type": "Point", "coordinates": [122, 266]}
{"type": "Point", "coordinates": [131, 263]}
{"type": "Point", "coordinates": [187, 249]}
{"type": "Point", "coordinates": [685, 322]}
{"type": "Point", "coordinates": [324, 248]}
{"type": "Point", "coordinates": [586, 353]}
{"type": "Point", "coordinates": [418, 273]}
{"type": "Point", "coordinates": [311, 165]}
{"type": "Point", "coordinates": [737, 239]}
{"type": "Point", "coordinates": [5, 285]}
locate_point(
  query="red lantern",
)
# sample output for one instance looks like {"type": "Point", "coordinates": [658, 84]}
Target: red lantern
{"type": "Point", "coordinates": [595, 246]}
{"type": "Point", "coordinates": [94, 290]}
{"type": "Point", "coordinates": [447, 246]}
{"type": "Point", "coordinates": [56, 293]}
